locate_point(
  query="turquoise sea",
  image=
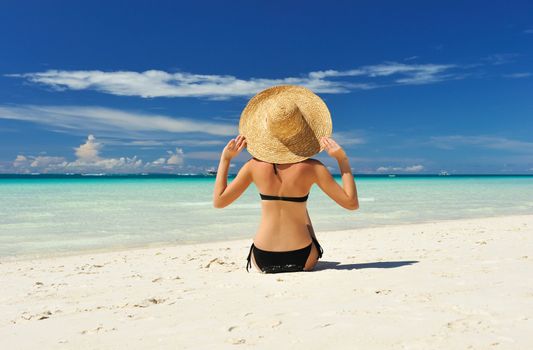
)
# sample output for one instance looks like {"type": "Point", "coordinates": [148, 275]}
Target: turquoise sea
{"type": "Point", "coordinates": [60, 213]}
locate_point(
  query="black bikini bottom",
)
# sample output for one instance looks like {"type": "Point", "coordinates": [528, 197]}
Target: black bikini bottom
{"type": "Point", "coordinates": [287, 261]}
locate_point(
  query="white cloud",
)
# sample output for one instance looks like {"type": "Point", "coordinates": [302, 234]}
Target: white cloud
{"type": "Point", "coordinates": [44, 161]}
{"type": "Point", "coordinates": [162, 143]}
{"type": "Point", "coordinates": [35, 162]}
{"type": "Point", "coordinates": [349, 137]}
{"type": "Point", "coordinates": [156, 83]}
{"type": "Point", "coordinates": [414, 168]}
{"type": "Point", "coordinates": [175, 158]}
{"type": "Point", "coordinates": [410, 169]}
{"type": "Point", "coordinates": [517, 75]}
{"type": "Point", "coordinates": [482, 141]}
{"type": "Point", "coordinates": [386, 69]}
{"type": "Point", "coordinates": [500, 58]}
{"type": "Point", "coordinates": [159, 161]}
{"type": "Point", "coordinates": [89, 150]}
{"type": "Point", "coordinates": [114, 164]}
{"type": "Point", "coordinates": [88, 159]}
{"type": "Point", "coordinates": [112, 121]}
{"type": "Point", "coordinates": [20, 161]}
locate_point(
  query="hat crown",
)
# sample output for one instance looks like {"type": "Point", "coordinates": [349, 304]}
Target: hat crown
{"type": "Point", "coordinates": [285, 120]}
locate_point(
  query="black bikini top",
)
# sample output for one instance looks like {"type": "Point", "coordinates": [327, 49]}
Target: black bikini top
{"type": "Point", "coordinates": [290, 199]}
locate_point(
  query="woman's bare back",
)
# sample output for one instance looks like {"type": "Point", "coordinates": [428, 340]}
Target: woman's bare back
{"type": "Point", "coordinates": [284, 225]}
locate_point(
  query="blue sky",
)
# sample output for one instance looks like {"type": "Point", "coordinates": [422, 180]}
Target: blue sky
{"type": "Point", "coordinates": [413, 87]}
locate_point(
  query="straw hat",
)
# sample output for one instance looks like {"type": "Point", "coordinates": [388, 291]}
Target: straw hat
{"type": "Point", "coordinates": [284, 124]}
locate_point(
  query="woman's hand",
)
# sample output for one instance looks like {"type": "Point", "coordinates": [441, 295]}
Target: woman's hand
{"type": "Point", "coordinates": [234, 147]}
{"type": "Point", "coordinates": [333, 149]}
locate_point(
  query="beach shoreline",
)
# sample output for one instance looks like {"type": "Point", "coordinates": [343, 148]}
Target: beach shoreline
{"type": "Point", "coordinates": [445, 284]}
{"type": "Point", "coordinates": [167, 244]}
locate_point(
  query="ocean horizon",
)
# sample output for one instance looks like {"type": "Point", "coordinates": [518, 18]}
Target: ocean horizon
{"type": "Point", "coordinates": [157, 175]}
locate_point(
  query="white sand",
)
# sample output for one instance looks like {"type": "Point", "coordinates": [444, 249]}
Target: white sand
{"type": "Point", "coordinates": [464, 284]}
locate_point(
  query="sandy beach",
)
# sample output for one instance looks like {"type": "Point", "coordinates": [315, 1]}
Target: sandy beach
{"type": "Point", "coordinates": [461, 284]}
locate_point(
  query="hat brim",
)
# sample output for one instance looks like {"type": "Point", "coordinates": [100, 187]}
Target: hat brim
{"type": "Point", "coordinates": [264, 146]}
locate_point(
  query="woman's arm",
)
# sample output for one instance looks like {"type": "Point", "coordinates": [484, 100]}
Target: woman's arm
{"type": "Point", "coordinates": [221, 181]}
{"type": "Point", "coordinates": [223, 195]}
{"type": "Point", "coordinates": [345, 196]}
{"type": "Point", "coordinates": [348, 181]}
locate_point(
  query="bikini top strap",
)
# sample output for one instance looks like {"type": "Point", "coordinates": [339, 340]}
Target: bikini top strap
{"type": "Point", "coordinates": [249, 264]}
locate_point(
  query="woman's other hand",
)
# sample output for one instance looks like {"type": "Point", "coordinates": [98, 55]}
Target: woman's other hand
{"type": "Point", "coordinates": [234, 147]}
{"type": "Point", "coordinates": [332, 147]}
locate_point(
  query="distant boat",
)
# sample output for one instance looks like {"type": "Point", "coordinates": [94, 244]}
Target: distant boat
{"type": "Point", "coordinates": [443, 173]}
{"type": "Point", "coordinates": [93, 174]}
{"type": "Point", "coordinates": [392, 175]}
{"type": "Point", "coordinates": [211, 172]}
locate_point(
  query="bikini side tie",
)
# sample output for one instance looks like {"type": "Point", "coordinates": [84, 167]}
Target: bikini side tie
{"type": "Point", "coordinates": [249, 264]}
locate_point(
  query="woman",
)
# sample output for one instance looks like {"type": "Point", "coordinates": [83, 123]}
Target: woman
{"type": "Point", "coordinates": [285, 240]}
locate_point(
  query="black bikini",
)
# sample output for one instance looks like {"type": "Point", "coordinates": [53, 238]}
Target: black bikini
{"type": "Point", "coordinates": [286, 261]}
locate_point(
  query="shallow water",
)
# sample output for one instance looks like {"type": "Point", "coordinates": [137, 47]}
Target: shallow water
{"type": "Point", "coordinates": [44, 215]}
